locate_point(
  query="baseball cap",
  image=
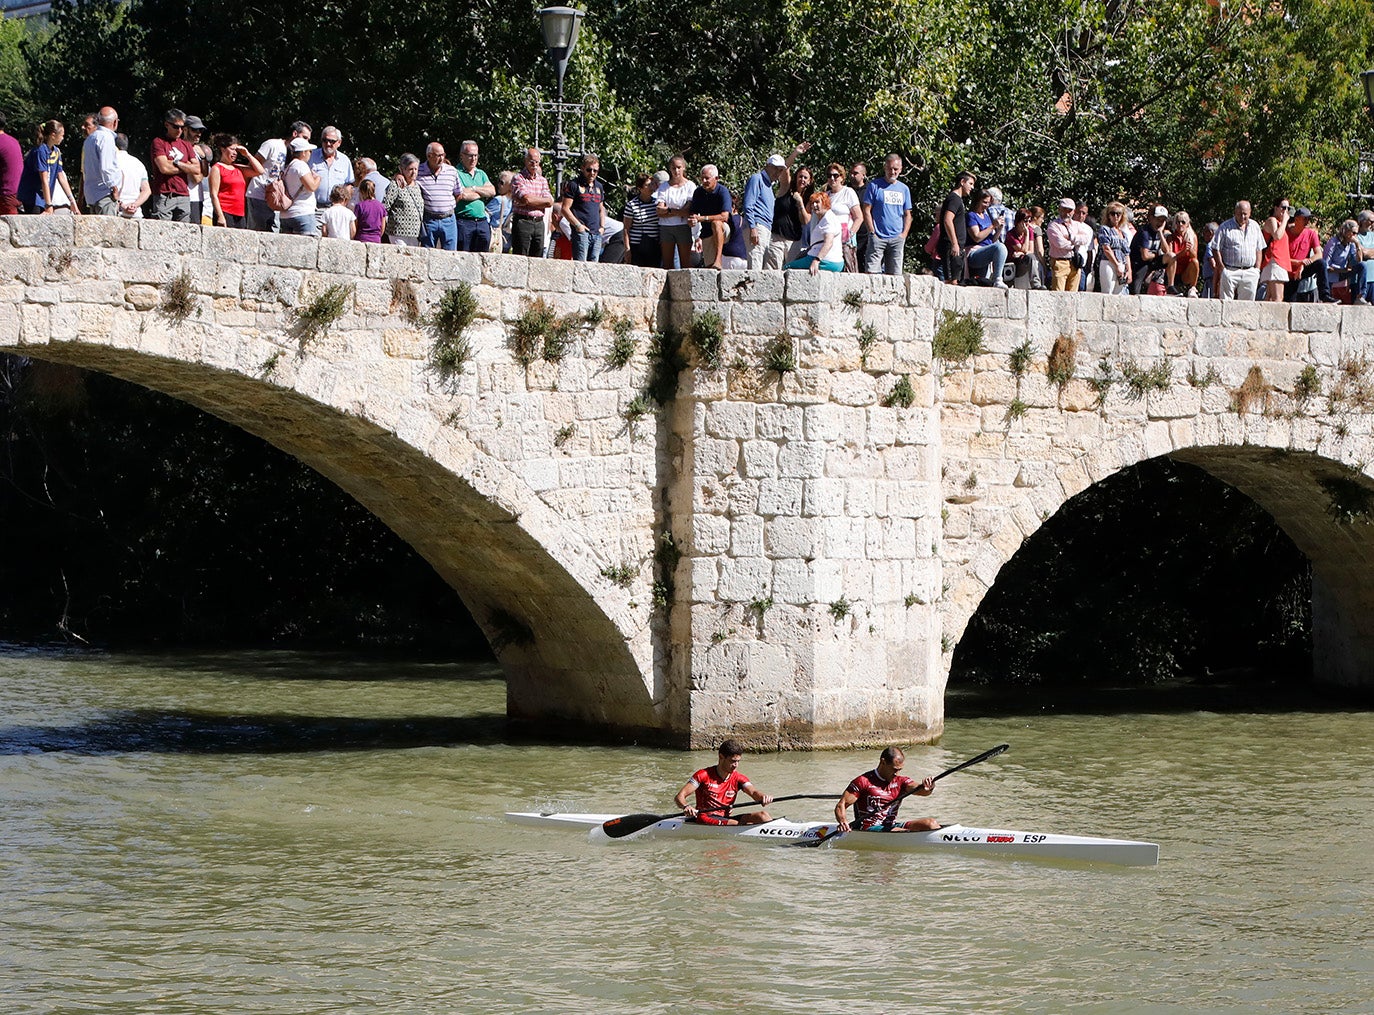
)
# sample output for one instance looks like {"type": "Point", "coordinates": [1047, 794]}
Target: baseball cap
{"type": "Point", "coordinates": [1305, 213]}
{"type": "Point", "coordinates": [1067, 203]}
{"type": "Point", "coordinates": [300, 144]}
{"type": "Point", "coordinates": [661, 176]}
{"type": "Point", "coordinates": [777, 160]}
{"type": "Point", "coordinates": [195, 123]}
{"type": "Point", "coordinates": [1159, 211]}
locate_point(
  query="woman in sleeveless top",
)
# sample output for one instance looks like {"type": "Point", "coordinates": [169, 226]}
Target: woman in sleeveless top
{"type": "Point", "coordinates": [1277, 266]}
{"type": "Point", "coordinates": [229, 180]}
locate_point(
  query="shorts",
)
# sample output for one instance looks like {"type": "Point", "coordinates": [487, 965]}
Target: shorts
{"type": "Point", "coordinates": [1271, 272]}
{"type": "Point", "coordinates": [678, 236]}
{"type": "Point", "coordinates": [718, 818]}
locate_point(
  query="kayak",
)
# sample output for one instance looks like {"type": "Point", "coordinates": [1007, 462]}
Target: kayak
{"type": "Point", "coordinates": [951, 838]}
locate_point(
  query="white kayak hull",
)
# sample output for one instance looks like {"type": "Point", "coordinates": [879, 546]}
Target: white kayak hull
{"type": "Point", "coordinates": [955, 838]}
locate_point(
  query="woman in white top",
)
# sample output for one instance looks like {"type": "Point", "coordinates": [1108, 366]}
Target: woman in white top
{"type": "Point", "coordinates": [844, 203]}
{"type": "Point", "coordinates": [674, 198]}
{"type": "Point", "coordinates": [826, 247]}
{"type": "Point", "coordinates": [301, 185]}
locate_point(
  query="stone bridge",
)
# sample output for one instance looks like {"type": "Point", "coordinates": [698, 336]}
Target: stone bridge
{"type": "Point", "coordinates": [790, 546]}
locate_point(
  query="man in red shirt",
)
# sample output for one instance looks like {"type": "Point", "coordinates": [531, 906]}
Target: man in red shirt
{"type": "Point", "coordinates": [175, 169]}
{"type": "Point", "coordinates": [1305, 251]}
{"type": "Point", "coordinates": [715, 789]}
{"type": "Point", "coordinates": [876, 795]}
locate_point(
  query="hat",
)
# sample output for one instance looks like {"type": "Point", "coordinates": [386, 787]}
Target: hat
{"type": "Point", "coordinates": [194, 123]}
{"type": "Point", "coordinates": [1067, 204]}
{"type": "Point", "coordinates": [300, 144]}
{"type": "Point", "coordinates": [777, 160]}
{"type": "Point", "coordinates": [1303, 213]}
{"type": "Point", "coordinates": [1159, 212]}
{"type": "Point", "coordinates": [661, 176]}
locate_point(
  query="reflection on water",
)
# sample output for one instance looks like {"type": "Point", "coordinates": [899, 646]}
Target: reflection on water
{"type": "Point", "coordinates": [285, 833]}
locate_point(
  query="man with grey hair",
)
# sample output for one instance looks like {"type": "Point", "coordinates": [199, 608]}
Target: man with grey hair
{"type": "Point", "coordinates": [1236, 250]}
{"type": "Point", "coordinates": [530, 202]}
{"type": "Point", "coordinates": [100, 178]}
{"type": "Point", "coordinates": [1342, 257]}
{"type": "Point", "coordinates": [475, 189]}
{"type": "Point", "coordinates": [333, 168]}
{"type": "Point", "coordinates": [1362, 282]}
{"type": "Point", "coordinates": [175, 170]}
{"type": "Point", "coordinates": [710, 209]}
{"type": "Point", "coordinates": [366, 169]}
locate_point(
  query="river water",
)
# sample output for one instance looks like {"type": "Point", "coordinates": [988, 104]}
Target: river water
{"type": "Point", "coordinates": [282, 833]}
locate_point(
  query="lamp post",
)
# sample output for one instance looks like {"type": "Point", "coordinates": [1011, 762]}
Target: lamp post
{"type": "Point", "coordinates": [1364, 158]}
{"type": "Point", "coordinates": [560, 26]}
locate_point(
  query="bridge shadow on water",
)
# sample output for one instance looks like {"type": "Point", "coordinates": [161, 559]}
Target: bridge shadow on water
{"type": "Point", "coordinates": [156, 731]}
{"type": "Point", "coordinates": [1228, 694]}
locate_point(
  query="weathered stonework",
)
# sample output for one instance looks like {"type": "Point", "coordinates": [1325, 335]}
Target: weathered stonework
{"type": "Point", "coordinates": [831, 541]}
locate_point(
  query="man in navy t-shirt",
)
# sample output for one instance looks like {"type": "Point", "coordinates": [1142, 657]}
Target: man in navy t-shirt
{"type": "Point", "coordinates": [710, 208]}
{"type": "Point", "coordinates": [584, 208]}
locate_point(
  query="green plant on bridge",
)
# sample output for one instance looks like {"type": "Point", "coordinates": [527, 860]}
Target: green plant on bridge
{"type": "Point", "coordinates": [1140, 381]}
{"type": "Point", "coordinates": [1348, 497]}
{"type": "Point", "coordinates": [958, 337]}
{"type": "Point", "coordinates": [1020, 358]}
{"type": "Point", "coordinates": [313, 320]}
{"type": "Point", "coordinates": [902, 395]}
{"type": "Point", "coordinates": [868, 338]}
{"type": "Point", "coordinates": [1254, 392]}
{"type": "Point", "coordinates": [1307, 385]}
{"type": "Point", "coordinates": [529, 330]}
{"type": "Point", "coordinates": [623, 574]}
{"type": "Point", "coordinates": [623, 345]}
{"type": "Point", "coordinates": [1102, 381]}
{"type": "Point", "coordinates": [841, 608]}
{"type": "Point", "coordinates": [456, 310]}
{"type": "Point", "coordinates": [640, 406]}
{"type": "Point", "coordinates": [708, 335]}
{"type": "Point", "coordinates": [780, 357]}
{"type": "Point", "coordinates": [1016, 409]}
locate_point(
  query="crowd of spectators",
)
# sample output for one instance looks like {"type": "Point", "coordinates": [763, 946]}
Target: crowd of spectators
{"type": "Point", "coordinates": [782, 218]}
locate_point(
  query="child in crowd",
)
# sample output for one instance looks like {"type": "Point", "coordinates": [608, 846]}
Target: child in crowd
{"type": "Point", "coordinates": [369, 215]}
{"type": "Point", "coordinates": [338, 220]}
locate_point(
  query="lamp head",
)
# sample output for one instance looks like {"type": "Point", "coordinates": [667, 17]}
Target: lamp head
{"type": "Point", "coordinates": [560, 26]}
{"type": "Point", "coordinates": [1367, 79]}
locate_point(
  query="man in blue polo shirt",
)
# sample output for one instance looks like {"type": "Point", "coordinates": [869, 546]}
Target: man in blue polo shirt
{"type": "Point", "coordinates": [757, 213]}
{"type": "Point", "coordinates": [333, 167]}
{"type": "Point", "coordinates": [887, 214]}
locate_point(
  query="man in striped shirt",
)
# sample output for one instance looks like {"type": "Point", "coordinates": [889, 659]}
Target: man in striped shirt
{"type": "Point", "coordinates": [439, 184]}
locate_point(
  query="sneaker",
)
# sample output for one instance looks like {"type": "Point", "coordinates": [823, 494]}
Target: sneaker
{"type": "Point", "coordinates": [1192, 292]}
{"type": "Point", "coordinates": [1329, 299]}
{"type": "Point", "coordinates": [1360, 301]}
{"type": "Point", "coordinates": [999, 284]}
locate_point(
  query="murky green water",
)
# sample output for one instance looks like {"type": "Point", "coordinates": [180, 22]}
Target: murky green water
{"type": "Point", "coordinates": [180, 836]}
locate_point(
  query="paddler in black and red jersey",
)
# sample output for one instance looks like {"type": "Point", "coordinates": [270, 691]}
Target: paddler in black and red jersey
{"type": "Point", "coordinates": [876, 795]}
{"type": "Point", "coordinates": [715, 789]}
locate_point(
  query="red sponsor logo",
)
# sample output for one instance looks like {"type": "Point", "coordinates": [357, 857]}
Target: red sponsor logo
{"type": "Point", "coordinates": [1001, 838]}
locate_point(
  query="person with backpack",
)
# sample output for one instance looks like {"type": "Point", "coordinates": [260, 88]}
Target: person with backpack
{"type": "Point", "coordinates": [299, 183]}
{"type": "Point", "coordinates": [272, 155]}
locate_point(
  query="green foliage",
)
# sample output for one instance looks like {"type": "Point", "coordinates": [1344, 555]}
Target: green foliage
{"type": "Point", "coordinates": [666, 363]}
{"type": "Point", "coordinates": [902, 395]}
{"type": "Point", "coordinates": [269, 365]}
{"type": "Point", "coordinates": [868, 338]}
{"type": "Point", "coordinates": [311, 321]}
{"type": "Point", "coordinates": [564, 434]}
{"type": "Point", "coordinates": [1016, 409]}
{"type": "Point", "coordinates": [708, 335]}
{"type": "Point", "coordinates": [623, 345]}
{"type": "Point", "coordinates": [1102, 381]}
{"type": "Point", "coordinates": [1307, 385]}
{"type": "Point", "coordinates": [638, 407]}
{"type": "Point", "coordinates": [594, 315]}
{"type": "Point", "coordinates": [841, 608]}
{"type": "Point", "coordinates": [854, 300]}
{"type": "Point", "coordinates": [1140, 381]}
{"type": "Point", "coordinates": [558, 338]}
{"type": "Point", "coordinates": [456, 310]}
{"type": "Point", "coordinates": [780, 357]}
{"type": "Point", "coordinates": [531, 329]}
{"type": "Point", "coordinates": [623, 574]}
{"type": "Point", "coordinates": [912, 599]}
{"type": "Point", "coordinates": [958, 337]}
{"type": "Point", "coordinates": [1020, 358]}
{"type": "Point", "coordinates": [15, 94]}
{"type": "Point", "coordinates": [1205, 380]}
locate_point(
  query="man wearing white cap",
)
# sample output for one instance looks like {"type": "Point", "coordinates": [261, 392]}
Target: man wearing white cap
{"type": "Point", "coordinates": [757, 212]}
{"type": "Point", "coordinates": [1151, 251]}
{"type": "Point", "coordinates": [1067, 241]}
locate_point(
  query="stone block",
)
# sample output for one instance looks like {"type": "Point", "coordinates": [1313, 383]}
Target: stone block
{"type": "Point", "coordinates": [238, 246]}
{"type": "Point", "coordinates": [779, 422]}
{"type": "Point", "coordinates": [985, 301]}
{"type": "Point", "coordinates": [289, 251]}
{"type": "Point", "coordinates": [1315, 317]}
{"type": "Point", "coordinates": [409, 263]}
{"type": "Point", "coordinates": [730, 419]}
{"type": "Point", "coordinates": [550, 277]}
{"type": "Point", "coordinates": [24, 266]}
{"type": "Point", "coordinates": [450, 266]}
{"type": "Point", "coordinates": [344, 257]}
{"type": "Point", "coordinates": [689, 286]}
{"type": "Point", "coordinates": [104, 231]}
{"type": "Point", "coordinates": [42, 230]}
{"type": "Point", "coordinates": [1204, 313]}
{"type": "Point", "coordinates": [147, 266]}
{"type": "Point", "coordinates": [752, 286]}
{"type": "Point", "coordinates": [171, 237]}
{"type": "Point", "coordinates": [780, 497]}
{"type": "Point", "coordinates": [607, 279]}
{"type": "Point", "coordinates": [802, 287]}
{"type": "Point", "coordinates": [756, 318]}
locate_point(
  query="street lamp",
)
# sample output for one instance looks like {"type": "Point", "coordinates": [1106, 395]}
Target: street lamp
{"type": "Point", "coordinates": [1364, 159]}
{"type": "Point", "coordinates": [560, 26]}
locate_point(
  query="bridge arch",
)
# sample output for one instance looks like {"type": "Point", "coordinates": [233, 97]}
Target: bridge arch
{"type": "Point", "coordinates": [442, 465]}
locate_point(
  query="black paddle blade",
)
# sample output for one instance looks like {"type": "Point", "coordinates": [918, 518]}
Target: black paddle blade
{"type": "Point", "coordinates": [628, 824]}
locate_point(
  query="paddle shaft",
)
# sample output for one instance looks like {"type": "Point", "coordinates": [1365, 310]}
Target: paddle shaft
{"type": "Point", "coordinates": [972, 761]}
{"type": "Point", "coordinates": [628, 824]}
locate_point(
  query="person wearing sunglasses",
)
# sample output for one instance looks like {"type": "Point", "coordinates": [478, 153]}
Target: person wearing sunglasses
{"type": "Point", "coordinates": [845, 204]}
{"type": "Point", "coordinates": [584, 209]}
{"type": "Point", "coordinates": [333, 167]}
{"type": "Point", "coordinates": [176, 168]}
{"type": "Point", "coordinates": [1276, 268]}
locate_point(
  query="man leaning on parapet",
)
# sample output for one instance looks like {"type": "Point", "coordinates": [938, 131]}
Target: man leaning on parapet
{"type": "Point", "coordinates": [100, 166]}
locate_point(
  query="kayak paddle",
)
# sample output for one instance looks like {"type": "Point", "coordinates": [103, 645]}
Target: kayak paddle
{"type": "Point", "coordinates": [628, 824]}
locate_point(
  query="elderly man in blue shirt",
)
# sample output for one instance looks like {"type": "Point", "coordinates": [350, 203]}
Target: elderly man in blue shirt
{"type": "Point", "coordinates": [333, 168]}
{"type": "Point", "coordinates": [100, 173]}
{"type": "Point", "coordinates": [757, 210]}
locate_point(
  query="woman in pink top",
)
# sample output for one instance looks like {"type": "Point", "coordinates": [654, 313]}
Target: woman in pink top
{"type": "Point", "coordinates": [229, 178]}
{"type": "Point", "coordinates": [1278, 265]}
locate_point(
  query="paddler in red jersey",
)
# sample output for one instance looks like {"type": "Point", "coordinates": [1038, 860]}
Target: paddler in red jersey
{"type": "Point", "coordinates": [715, 789]}
{"type": "Point", "coordinates": [876, 795]}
